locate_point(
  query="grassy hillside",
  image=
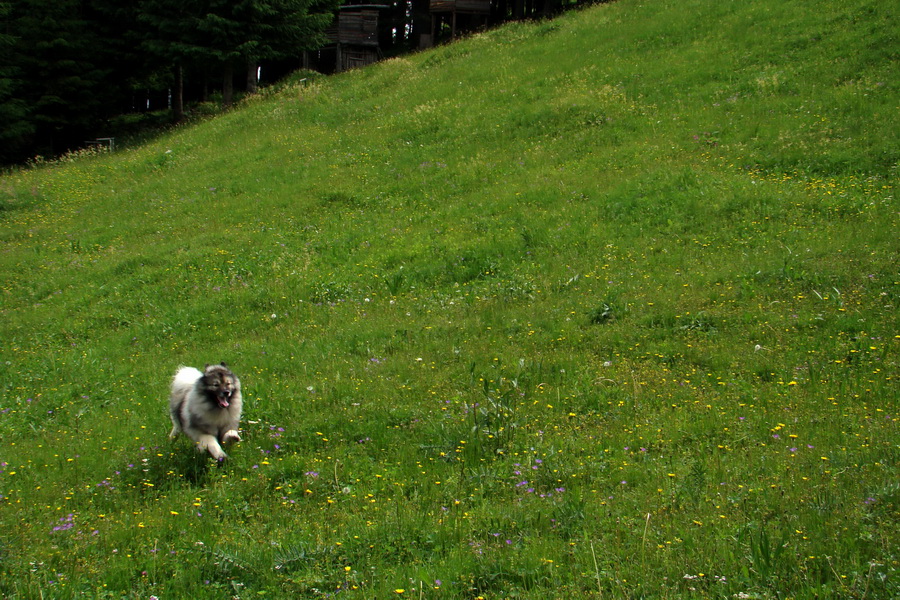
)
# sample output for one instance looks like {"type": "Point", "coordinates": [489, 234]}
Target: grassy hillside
{"type": "Point", "coordinates": [598, 307]}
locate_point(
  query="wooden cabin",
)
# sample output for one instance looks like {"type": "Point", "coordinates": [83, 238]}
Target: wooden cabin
{"type": "Point", "coordinates": [357, 36]}
{"type": "Point", "coordinates": [447, 10]}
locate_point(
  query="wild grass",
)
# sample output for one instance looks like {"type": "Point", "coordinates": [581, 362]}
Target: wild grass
{"type": "Point", "coordinates": [597, 307]}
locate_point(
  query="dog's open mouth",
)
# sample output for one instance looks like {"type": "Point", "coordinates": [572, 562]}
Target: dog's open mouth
{"type": "Point", "coordinates": [223, 397]}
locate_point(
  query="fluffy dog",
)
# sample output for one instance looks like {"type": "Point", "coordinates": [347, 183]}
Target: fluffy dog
{"type": "Point", "coordinates": [206, 407]}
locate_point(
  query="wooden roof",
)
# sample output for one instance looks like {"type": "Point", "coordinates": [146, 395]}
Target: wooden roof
{"type": "Point", "coordinates": [461, 6]}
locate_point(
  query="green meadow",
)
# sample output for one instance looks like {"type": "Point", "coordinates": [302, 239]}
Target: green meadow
{"type": "Point", "coordinates": [604, 306]}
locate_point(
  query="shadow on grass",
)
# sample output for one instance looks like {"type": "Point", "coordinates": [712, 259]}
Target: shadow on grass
{"type": "Point", "coordinates": [170, 467]}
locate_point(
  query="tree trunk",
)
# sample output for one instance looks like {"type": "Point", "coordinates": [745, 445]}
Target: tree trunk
{"type": "Point", "coordinates": [228, 86]}
{"type": "Point", "coordinates": [178, 94]}
{"type": "Point", "coordinates": [252, 72]}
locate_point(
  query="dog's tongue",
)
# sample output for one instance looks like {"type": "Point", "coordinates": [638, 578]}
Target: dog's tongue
{"type": "Point", "coordinates": [223, 401]}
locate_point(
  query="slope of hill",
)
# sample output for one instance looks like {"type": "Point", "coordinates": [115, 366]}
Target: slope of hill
{"type": "Point", "coordinates": [603, 306]}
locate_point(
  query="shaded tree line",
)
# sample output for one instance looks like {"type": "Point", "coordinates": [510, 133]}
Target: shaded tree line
{"type": "Point", "coordinates": [68, 66]}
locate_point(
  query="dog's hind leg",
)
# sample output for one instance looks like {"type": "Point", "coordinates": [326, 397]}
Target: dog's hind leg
{"type": "Point", "coordinates": [210, 444]}
{"type": "Point", "coordinates": [176, 426]}
{"type": "Point", "coordinates": [175, 415]}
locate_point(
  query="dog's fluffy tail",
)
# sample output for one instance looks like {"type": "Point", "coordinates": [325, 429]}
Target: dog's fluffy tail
{"type": "Point", "coordinates": [186, 377]}
{"type": "Point", "coordinates": [185, 380]}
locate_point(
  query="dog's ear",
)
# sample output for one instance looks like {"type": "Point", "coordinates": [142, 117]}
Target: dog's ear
{"type": "Point", "coordinates": [224, 365]}
{"type": "Point", "coordinates": [206, 367]}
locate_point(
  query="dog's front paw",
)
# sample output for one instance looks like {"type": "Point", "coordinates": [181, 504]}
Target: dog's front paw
{"type": "Point", "coordinates": [208, 443]}
{"type": "Point", "coordinates": [231, 437]}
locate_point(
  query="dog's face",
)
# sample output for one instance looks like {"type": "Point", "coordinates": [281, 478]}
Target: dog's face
{"type": "Point", "coordinates": [220, 384]}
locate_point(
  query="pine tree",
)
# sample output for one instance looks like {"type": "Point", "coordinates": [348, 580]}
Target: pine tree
{"type": "Point", "coordinates": [14, 113]}
{"type": "Point", "coordinates": [65, 84]}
